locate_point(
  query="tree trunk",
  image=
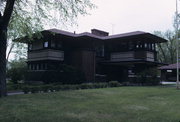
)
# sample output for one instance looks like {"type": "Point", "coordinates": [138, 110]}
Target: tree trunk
{"type": "Point", "coordinates": [4, 21]}
{"type": "Point", "coordinates": [3, 41]}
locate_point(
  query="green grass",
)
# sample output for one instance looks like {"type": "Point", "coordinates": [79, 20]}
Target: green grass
{"type": "Point", "coordinates": [123, 104]}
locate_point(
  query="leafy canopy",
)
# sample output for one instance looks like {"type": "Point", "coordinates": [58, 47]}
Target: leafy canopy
{"type": "Point", "coordinates": [31, 15]}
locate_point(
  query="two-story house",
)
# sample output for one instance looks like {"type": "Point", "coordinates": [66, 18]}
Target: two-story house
{"type": "Point", "coordinates": [116, 57]}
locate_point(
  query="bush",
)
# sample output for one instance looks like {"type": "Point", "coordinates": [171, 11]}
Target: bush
{"type": "Point", "coordinates": [87, 86]}
{"type": "Point", "coordinates": [148, 77]}
{"type": "Point", "coordinates": [12, 86]}
{"type": "Point", "coordinates": [57, 87]}
{"type": "Point", "coordinates": [34, 89]}
{"type": "Point", "coordinates": [114, 84]}
{"type": "Point", "coordinates": [17, 70]}
{"type": "Point", "coordinates": [45, 88]}
{"type": "Point", "coordinates": [26, 89]}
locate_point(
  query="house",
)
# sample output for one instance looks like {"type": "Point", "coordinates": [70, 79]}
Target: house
{"type": "Point", "coordinates": [169, 72]}
{"type": "Point", "coordinates": [97, 54]}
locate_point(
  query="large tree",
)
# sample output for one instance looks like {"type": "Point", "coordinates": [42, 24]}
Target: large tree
{"type": "Point", "coordinates": [167, 51]}
{"type": "Point", "coordinates": [28, 16]}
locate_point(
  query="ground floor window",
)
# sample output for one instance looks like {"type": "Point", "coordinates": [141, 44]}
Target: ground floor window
{"type": "Point", "coordinates": [37, 66]}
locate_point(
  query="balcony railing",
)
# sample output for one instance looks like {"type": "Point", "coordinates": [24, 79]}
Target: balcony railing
{"type": "Point", "coordinates": [133, 55]}
{"type": "Point", "coordinates": [47, 54]}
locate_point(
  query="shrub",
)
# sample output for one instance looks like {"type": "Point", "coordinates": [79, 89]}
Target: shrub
{"type": "Point", "coordinates": [57, 87]}
{"type": "Point", "coordinates": [12, 86]}
{"type": "Point", "coordinates": [148, 77]}
{"type": "Point", "coordinates": [114, 84]}
{"type": "Point", "coordinates": [45, 88]}
{"type": "Point", "coordinates": [26, 89]}
{"type": "Point", "coordinates": [86, 86]}
{"type": "Point", "coordinates": [17, 70]}
{"type": "Point", "coordinates": [34, 89]}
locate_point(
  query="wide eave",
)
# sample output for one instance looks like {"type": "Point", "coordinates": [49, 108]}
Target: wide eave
{"type": "Point", "coordinates": [89, 36]}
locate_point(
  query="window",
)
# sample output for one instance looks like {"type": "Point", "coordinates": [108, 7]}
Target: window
{"type": "Point", "coordinates": [30, 46]}
{"type": "Point", "coordinates": [59, 44]}
{"type": "Point", "coordinates": [138, 45]}
{"type": "Point", "coordinates": [46, 44]}
{"type": "Point", "coordinates": [37, 66]}
{"type": "Point", "coordinates": [141, 45]}
{"type": "Point", "coordinates": [145, 45]}
{"type": "Point", "coordinates": [149, 46]}
{"type": "Point", "coordinates": [29, 67]}
{"type": "Point", "coordinates": [153, 46]}
{"type": "Point", "coordinates": [53, 44]}
{"type": "Point", "coordinates": [131, 46]}
{"type": "Point", "coordinates": [169, 70]}
{"type": "Point", "coordinates": [100, 51]}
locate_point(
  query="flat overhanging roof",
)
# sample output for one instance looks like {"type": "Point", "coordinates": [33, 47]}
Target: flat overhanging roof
{"type": "Point", "coordinates": [118, 37]}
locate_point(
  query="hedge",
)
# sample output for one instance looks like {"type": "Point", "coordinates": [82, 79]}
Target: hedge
{"type": "Point", "coordinates": [56, 87]}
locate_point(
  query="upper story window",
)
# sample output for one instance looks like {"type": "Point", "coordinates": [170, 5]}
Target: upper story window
{"type": "Point", "coordinates": [59, 45]}
{"type": "Point", "coordinates": [131, 46]}
{"type": "Point", "coordinates": [145, 45]}
{"type": "Point", "coordinates": [30, 47]}
{"type": "Point", "coordinates": [100, 51]}
{"type": "Point", "coordinates": [46, 44]}
{"type": "Point", "coordinates": [53, 44]}
{"type": "Point", "coordinates": [138, 45]}
{"type": "Point", "coordinates": [153, 46]}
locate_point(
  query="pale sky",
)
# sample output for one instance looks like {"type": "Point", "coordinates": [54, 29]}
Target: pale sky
{"type": "Point", "coordinates": [120, 16]}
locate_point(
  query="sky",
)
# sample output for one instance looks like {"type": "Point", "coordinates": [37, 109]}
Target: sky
{"type": "Point", "coordinates": [120, 16]}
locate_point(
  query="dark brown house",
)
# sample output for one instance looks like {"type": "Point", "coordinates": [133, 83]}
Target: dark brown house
{"type": "Point", "coordinates": [98, 55]}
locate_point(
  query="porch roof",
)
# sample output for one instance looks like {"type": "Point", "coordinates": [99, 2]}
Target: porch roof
{"type": "Point", "coordinates": [170, 66]}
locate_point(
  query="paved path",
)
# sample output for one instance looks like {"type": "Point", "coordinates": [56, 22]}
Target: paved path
{"type": "Point", "coordinates": [15, 93]}
{"type": "Point", "coordinates": [166, 82]}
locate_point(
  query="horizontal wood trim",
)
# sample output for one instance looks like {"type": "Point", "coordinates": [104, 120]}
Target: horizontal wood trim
{"type": "Point", "coordinates": [46, 55]}
{"type": "Point", "coordinates": [131, 55]}
{"type": "Point", "coordinates": [121, 56]}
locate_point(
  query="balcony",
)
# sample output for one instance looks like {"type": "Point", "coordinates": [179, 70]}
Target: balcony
{"type": "Point", "coordinates": [47, 54]}
{"type": "Point", "coordinates": [133, 55]}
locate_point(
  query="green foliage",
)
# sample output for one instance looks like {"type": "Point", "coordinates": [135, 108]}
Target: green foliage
{"type": "Point", "coordinates": [17, 70]}
{"type": "Point", "coordinates": [167, 51]}
{"type": "Point", "coordinates": [114, 84]}
{"type": "Point", "coordinates": [11, 86]}
{"type": "Point", "coordinates": [148, 77]}
{"type": "Point", "coordinates": [58, 87]}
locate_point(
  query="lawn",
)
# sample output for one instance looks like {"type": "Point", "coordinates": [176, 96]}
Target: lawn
{"type": "Point", "coordinates": [122, 104]}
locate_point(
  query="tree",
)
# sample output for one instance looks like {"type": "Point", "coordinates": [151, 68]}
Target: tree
{"type": "Point", "coordinates": [17, 70]}
{"type": "Point", "coordinates": [167, 51]}
{"type": "Point", "coordinates": [26, 15]}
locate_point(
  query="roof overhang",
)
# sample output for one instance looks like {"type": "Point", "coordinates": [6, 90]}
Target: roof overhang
{"type": "Point", "coordinates": [89, 36]}
{"type": "Point", "coordinates": [169, 67]}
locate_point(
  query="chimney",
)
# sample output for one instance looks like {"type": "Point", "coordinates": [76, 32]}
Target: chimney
{"type": "Point", "coordinates": [99, 32]}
